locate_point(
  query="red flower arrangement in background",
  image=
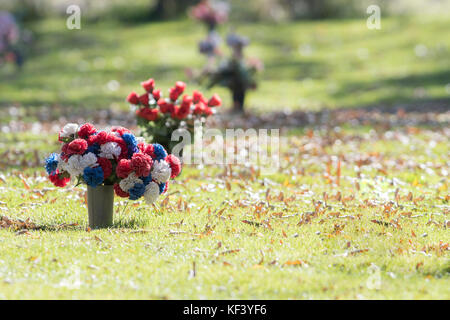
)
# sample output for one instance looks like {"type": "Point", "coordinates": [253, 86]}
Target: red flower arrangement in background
{"type": "Point", "coordinates": [159, 116]}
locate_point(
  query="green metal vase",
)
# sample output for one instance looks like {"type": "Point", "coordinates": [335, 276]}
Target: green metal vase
{"type": "Point", "coordinates": [100, 206]}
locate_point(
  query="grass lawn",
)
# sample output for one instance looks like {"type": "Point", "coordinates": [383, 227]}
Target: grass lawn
{"type": "Point", "coordinates": [376, 229]}
{"type": "Point", "coordinates": [308, 65]}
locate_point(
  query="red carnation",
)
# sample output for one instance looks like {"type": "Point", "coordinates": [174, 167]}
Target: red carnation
{"type": "Point", "coordinates": [215, 101]}
{"type": "Point", "coordinates": [120, 130]}
{"type": "Point", "coordinates": [207, 111]}
{"type": "Point", "coordinates": [64, 154]}
{"type": "Point", "coordinates": [181, 112]}
{"type": "Point", "coordinates": [120, 192]}
{"type": "Point", "coordinates": [156, 94]}
{"type": "Point", "coordinates": [148, 113]}
{"type": "Point", "coordinates": [100, 138]}
{"type": "Point", "coordinates": [141, 163]}
{"type": "Point", "coordinates": [174, 94]}
{"type": "Point", "coordinates": [197, 96]}
{"type": "Point", "coordinates": [144, 99]}
{"type": "Point", "coordinates": [113, 137]}
{"type": "Point", "coordinates": [187, 101]}
{"type": "Point", "coordinates": [180, 86]}
{"type": "Point", "coordinates": [150, 150]}
{"type": "Point", "coordinates": [142, 146]}
{"type": "Point", "coordinates": [77, 146]}
{"type": "Point", "coordinates": [64, 147]}
{"type": "Point", "coordinates": [86, 130]}
{"type": "Point", "coordinates": [58, 180]}
{"type": "Point", "coordinates": [175, 165]}
{"type": "Point", "coordinates": [164, 106]}
{"type": "Point", "coordinates": [123, 168]}
{"type": "Point", "coordinates": [185, 108]}
{"type": "Point", "coordinates": [174, 113]}
{"type": "Point", "coordinates": [91, 140]}
{"type": "Point", "coordinates": [198, 109]}
{"type": "Point", "coordinates": [133, 98]}
{"type": "Point", "coordinates": [106, 167]}
{"type": "Point", "coordinates": [148, 85]}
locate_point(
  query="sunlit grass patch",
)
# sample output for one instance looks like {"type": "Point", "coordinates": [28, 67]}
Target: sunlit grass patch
{"type": "Point", "coordinates": [377, 227]}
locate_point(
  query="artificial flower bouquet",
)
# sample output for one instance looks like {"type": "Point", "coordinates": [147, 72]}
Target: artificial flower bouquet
{"type": "Point", "coordinates": [159, 117]}
{"type": "Point", "coordinates": [235, 73]}
{"type": "Point", "coordinates": [117, 160]}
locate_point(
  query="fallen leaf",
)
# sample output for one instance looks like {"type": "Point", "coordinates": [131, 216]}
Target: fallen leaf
{"type": "Point", "coordinates": [294, 263]}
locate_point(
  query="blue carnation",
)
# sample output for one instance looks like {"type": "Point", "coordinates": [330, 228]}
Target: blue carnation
{"type": "Point", "coordinates": [132, 150]}
{"type": "Point", "coordinates": [162, 186]}
{"type": "Point", "coordinates": [131, 142]}
{"type": "Point", "coordinates": [136, 191]}
{"type": "Point", "coordinates": [51, 163]}
{"type": "Point", "coordinates": [147, 179]}
{"type": "Point", "coordinates": [93, 176]}
{"type": "Point", "coordinates": [94, 148]}
{"type": "Point", "coordinates": [159, 151]}
{"type": "Point", "coordinates": [129, 139]}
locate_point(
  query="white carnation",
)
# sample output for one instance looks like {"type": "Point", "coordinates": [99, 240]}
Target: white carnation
{"type": "Point", "coordinates": [68, 130]}
{"type": "Point", "coordinates": [77, 163]}
{"type": "Point", "coordinates": [75, 166]}
{"type": "Point", "coordinates": [89, 160]}
{"type": "Point", "coordinates": [62, 165]}
{"type": "Point", "coordinates": [161, 171]}
{"type": "Point", "coordinates": [110, 150]}
{"type": "Point", "coordinates": [128, 183]}
{"type": "Point", "coordinates": [151, 192]}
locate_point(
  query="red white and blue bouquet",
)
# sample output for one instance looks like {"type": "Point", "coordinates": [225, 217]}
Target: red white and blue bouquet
{"type": "Point", "coordinates": [117, 158]}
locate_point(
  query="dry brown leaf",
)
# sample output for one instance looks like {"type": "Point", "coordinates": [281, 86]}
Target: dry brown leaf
{"type": "Point", "coordinates": [334, 214]}
{"type": "Point", "coordinates": [229, 252]}
{"type": "Point", "coordinates": [294, 263]}
{"type": "Point", "coordinates": [358, 251]}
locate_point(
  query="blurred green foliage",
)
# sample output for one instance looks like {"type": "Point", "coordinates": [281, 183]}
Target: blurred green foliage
{"type": "Point", "coordinates": [250, 10]}
{"type": "Point", "coordinates": [309, 65]}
